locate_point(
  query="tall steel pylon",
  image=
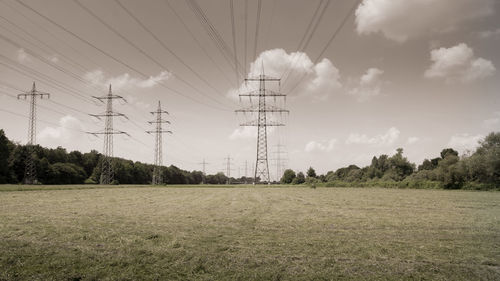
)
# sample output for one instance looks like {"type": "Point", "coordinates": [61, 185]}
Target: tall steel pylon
{"type": "Point", "coordinates": [107, 172]}
{"type": "Point", "coordinates": [30, 170]}
{"type": "Point", "coordinates": [157, 174]}
{"type": "Point", "coordinates": [261, 171]}
{"type": "Point", "coordinates": [204, 164]}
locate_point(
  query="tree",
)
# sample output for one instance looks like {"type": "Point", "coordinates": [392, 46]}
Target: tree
{"type": "Point", "coordinates": [311, 173]}
{"type": "Point", "coordinates": [288, 176]}
{"type": "Point", "coordinates": [5, 150]}
{"type": "Point", "coordinates": [448, 151]}
{"type": "Point", "coordinates": [300, 179]}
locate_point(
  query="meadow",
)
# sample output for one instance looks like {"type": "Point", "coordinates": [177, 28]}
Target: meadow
{"type": "Point", "coordinates": [247, 233]}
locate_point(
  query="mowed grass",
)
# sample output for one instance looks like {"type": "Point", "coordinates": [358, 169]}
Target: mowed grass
{"type": "Point", "coordinates": [255, 233]}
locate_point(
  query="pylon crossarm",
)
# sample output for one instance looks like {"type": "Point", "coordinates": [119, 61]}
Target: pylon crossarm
{"type": "Point", "coordinates": [161, 131]}
{"type": "Point", "coordinates": [159, 112]}
{"type": "Point", "coordinates": [257, 93]}
{"type": "Point", "coordinates": [161, 121]}
{"type": "Point", "coordinates": [262, 77]}
{"type": "Point", "coordinates": [268, 108]}
{"type": "Point", "coordinates": [267, 124]}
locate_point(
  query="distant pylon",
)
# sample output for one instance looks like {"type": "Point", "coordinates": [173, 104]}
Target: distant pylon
{"type": "Point", "coordinates": [279, 160]}
{"type": "Point", "coordinates": [204, 173]}
{"type": "Point", "coordinates": [262, 165]}
{"type": "Point", "coordinates": [107, 171]}
{"type": "Point", "coordinates": [157, 175]}
{"type": "Point", "coordinates": [228, 168]}
{"type": "Point", "coordinates": [30, 170]}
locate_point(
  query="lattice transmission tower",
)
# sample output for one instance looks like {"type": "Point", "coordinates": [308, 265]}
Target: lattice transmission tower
{"type": "Point", "coordinates": [204, 164]}
{"type": "Point", "coordinates": [30, 170]}
{"type": "Point", "coordinates": [262, 109]}
{"type": "Point", "coordinates": [157, 174]}
{"type": "Point", "coordinates": [107, 171]}
{"type": "Point", "coordinates": [279, 159]}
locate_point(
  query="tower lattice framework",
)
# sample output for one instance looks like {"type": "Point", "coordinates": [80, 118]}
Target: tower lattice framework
{"type": "Point", "coordinates": [107, 171]}
{"type": "Point", "coordinates": [157, 174]}
{"type": "Point", "coordinates": [262, 109]}
{"type": "Point", "coordinates": [30, 176]}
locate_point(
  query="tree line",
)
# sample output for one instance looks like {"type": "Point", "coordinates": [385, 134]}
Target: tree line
{"type": "Point", "coordinates": [479, 169]}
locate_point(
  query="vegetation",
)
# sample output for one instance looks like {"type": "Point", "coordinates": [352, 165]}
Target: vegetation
{"type": "Point", "coordinates": [479, 170]}
{"type": "Point", "coordinates": [147, 233]}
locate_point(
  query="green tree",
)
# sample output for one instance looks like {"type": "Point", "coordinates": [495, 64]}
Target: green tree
{"type": "Point", "coordinates": [5, 150]}
{"type": "Point", "coordinates": [311, 173]}
{"type": "Point", "coordinates": [299, 179]}
{"type": "Point", "coordinates": [288, 176]}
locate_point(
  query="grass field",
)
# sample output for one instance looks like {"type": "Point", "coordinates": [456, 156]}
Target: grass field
{"type": "Point", "coordinates": [143, 233]}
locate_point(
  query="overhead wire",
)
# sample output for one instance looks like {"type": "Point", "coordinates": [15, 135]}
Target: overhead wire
{"type": "Point", "coordinates": [169, 50]}
{"type": "Point", "coordinates": [334, 35]}
{"type": "Point", "coordinates": [114, 58]}
{"type": "Point", "coordinates": [135, 46]}
{"type": "Point", "coordinates": [257, 27]}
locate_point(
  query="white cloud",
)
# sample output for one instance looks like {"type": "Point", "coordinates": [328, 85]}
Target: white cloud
{"type": "Point", "coordinates": [370, 85]}
{"type": "Point", "coordinates": [412, 140]}
{"type": "Point", "coordinates": [492, 123]}
{"type": "Point", "coordinates": [68, 133]}
{"type": "Point", "coordinates": [320, 146]}
{"type": "Point", "coordinates": [400, 20]}
{"type": "Point", "coordinates": [54, 58]}
{"type": "Point", "coordinates": [490, 34]}
{"type": "Point", "coordinates": [458, 63]}
{"type": "Point", "coordinates": [244, 133]}
{"type": "Point", "coordinates": [320, 80]}
{"type": "Point", "coordinates": [22, 56]}
{"type": "Point", "coordinates": [124, 81]}
{"type": "Point", "coordinates": [465, 142]}
{"type": "Point", "coordinates": [388, 138]}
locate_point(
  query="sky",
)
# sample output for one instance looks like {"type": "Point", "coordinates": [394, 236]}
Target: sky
{"type": "Point", "coordinates": [361, 78]}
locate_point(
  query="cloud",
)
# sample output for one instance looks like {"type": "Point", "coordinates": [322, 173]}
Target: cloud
{"type": "Point", "coordinates": [465, 142]}
{"type": "Point", "coordinates": [412, 140]}
{"type": "Point", "coordinates": [68, 133]}
{"type": "Point", "coordinates": [321, 146]}
{"type": "Point", "coordinates": [400, 20]}
{"type": "Point", "coordinates": [490, 34]}
{"type": "Point", "coordinates": [370, 85]}
{"type": "Point", "coordinates": [244, 133]}
{"type": "Point", "coordinates": [22, 56]}
{"type": "Point", "coordinates": [124, 81]}
{"type": "Point", "coordinates": [492, 123]}
{"type": "Point", "coordinates": [319, 80]}
{"type": "Point", "coordinates": [458, 63]}
{"type": "Point", "coordinates": [388, 138]}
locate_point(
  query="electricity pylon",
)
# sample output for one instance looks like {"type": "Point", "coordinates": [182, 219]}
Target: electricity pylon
{"type": "Point", "coordinates": [228, 168]}
{"type": "Point", "coordinates": [279, 160]}
{"type": "Point", "coordinates": [107, 172]}
{"type": "Point", "coordinates": [30, 170]}
{"type": "Point", "coordinates": [157, 175]}
{"type": "Point", "coordinates": [204, 166]}
{"type": "Point", "coordinates": [262, 109]}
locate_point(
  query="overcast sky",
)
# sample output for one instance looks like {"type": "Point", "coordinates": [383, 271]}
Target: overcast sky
{"type": "Point", "coordinates": [421, 75]}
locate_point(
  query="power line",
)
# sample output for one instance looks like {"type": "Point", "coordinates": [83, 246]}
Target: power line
{"type": "Point", "coordinates": [257, 23]}
{"type": "Point", "coordinates": [334, 35]}
{"type": "Point", "coordinates": [167, 49]}
{"type": "Point", "coordinates": [114, 58]}
{"type": "Point", "coordinates": [231, 8]}
{"type": "Point", "coordinates": [197, 41]}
